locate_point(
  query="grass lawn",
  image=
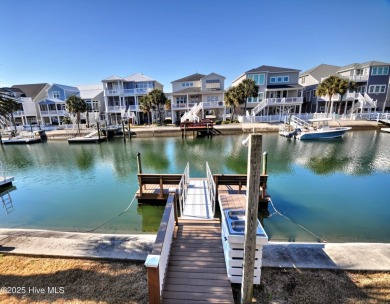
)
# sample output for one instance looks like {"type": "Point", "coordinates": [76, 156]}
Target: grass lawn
{"type": "Point", "coordinates": [55, 280]}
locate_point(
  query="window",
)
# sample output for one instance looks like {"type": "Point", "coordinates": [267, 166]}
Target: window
{"type": "Point", "coordinates": [212, 98]}
{"type": "Point", "coordinates": [56, 94]}
{"type": "Point", "coordinates": [377, 89]}
{"type": "Point", "coordinates": [257, 78]}
{"type": "Point", "coordinates": [380, 70]}
{"type": "Point", "coordinates": [213, 84]}
{"type": "Point", "coordinates": [187, 84]}
{"type": "Point", "coordinates": [303, 79]}
{"type": "Point", "coordinates": [279, 79]}
{"type": "Point", "coordinates": [182, 99]}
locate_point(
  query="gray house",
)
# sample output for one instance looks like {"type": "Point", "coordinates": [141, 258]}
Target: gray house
{"type": "Point", "coordinates": [279, 91]}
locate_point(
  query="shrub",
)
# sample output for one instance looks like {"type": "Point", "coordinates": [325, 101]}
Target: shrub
{"type": "Point", "coordinates": [218, 122]}
{"type": "Point", "coordinates": [225, 122]}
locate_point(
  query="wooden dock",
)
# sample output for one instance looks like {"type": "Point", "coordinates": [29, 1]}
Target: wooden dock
{"type": "Point", "coordinates": [187, 264]}
{"type": "Point", "coordinates": [196, 270]}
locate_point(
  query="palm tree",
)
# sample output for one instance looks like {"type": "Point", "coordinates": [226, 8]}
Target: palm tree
{"type": "Point", "coordinates": [232, 99]}
{"type": "Point", "coordinates": [158, 99]}
{"type": "Point", "coordinates": [76, 105]}
{"type": "Point", "coordinates": [247, 88]}
{"type": "Point", "coordinates": [146, 106]}
{"type": "Point", "coordinates": [8, 106]}
{"type": "Point", "coordinates": [331, 86]}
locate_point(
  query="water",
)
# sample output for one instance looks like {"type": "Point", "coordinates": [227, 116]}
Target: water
{"type": "Point", "coordinates": [338, 190]}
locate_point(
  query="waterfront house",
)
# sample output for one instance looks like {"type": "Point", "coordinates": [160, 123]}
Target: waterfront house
{"type": "Point", "coordinates": [310, 80]}
{"type": "Point", "coordinates": [93, 95]}
{"type": "Point", "coordinates": [203, 94]}
{"type": "Point", "coordinates": [279, 91]}
{"type": "Point", "coordinates": [122, 94]}
{"type": "Point", "coordinates": [371, 94]}
{"type": "Point", "coordinates": [52, 108]}
{"type": "Point", "coordinates": [27, 97]}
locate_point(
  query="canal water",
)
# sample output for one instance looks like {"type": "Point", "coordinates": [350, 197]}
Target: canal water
{"type": "Point", "coordinates": [335, 190]}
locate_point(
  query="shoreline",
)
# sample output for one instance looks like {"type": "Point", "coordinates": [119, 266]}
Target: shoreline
{"type": "Point", "coordinates": [136, 247]}
{"type": "Point", "coordinates": [226, 129]}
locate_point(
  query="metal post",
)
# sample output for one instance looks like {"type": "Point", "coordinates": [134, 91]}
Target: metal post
{"type": "Point", "coordinates": [253, 189]}
{"type": "Point", "coordinates": [139, 163]}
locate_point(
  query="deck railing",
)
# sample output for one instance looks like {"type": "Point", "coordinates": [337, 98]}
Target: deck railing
{"type": "Point", "coordinates": [183, 187]}
{"type": "Point", "coordinates": [157, 262]}
{"type": "Point", "coordinates": [211, 187]}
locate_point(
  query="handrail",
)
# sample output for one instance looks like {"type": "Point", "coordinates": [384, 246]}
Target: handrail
{"type": "Point", "coordinates": [211, 187]}
{"type": "Point", "coordinates": [183, 187]}
{"type": "Point", "coordinates": [157, 262]}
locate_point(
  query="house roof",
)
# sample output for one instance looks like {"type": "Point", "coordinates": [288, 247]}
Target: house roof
{"type": "Point", "coordinates": [89, 91]}
{"type": "Point", "coordinates": [137, 77]}
{"type": "Point", "coordinates": [113, 77]}
{"type": "Point", "coordinates": [193, 77]}
{"type": "Point", "coordinates": [271, 69]}
{"type": "Point", "coordinates": [322, 70]}
{"type": "Point", "coordinates": [362, 65]}
{"type": "Point", "coordinates": [31, 90]}
{"type": "Point", "coordinates": [214, 74]}
{"type": "Point", "coordinates": [189, 90]}
{"type": "Point", "coordinates": [65, 87]}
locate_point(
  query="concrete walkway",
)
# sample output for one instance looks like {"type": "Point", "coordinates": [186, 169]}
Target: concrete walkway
{"type": "Point", "coordinates": [352, 256]}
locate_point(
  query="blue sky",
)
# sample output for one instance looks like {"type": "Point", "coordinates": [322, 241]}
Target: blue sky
{"type": "Point", "coordinates": [80, 42]}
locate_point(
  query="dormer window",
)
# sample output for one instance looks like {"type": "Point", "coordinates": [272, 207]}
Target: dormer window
{"type": "Point", "coordinates": [56, 94]}
{"type": "Point", "coordinates": [380, 70]}
{"type": "Point", "coordinates": [213, 84]}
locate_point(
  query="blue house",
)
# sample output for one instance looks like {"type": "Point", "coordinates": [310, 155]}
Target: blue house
{"type": "Point", "coordinates": [52, 108]}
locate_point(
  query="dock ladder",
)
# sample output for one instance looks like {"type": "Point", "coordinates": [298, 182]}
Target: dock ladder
{"type": "Point", "coordinates": [7, 202]}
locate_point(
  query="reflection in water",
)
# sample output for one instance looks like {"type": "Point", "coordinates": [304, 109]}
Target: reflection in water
{"type": "Point", "coordinates": [321, 185]}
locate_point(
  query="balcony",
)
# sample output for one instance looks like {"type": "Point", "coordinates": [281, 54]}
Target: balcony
{"type": "Point", "coordinates": [182, 106]}
{"type": "Point", "coordinates": [289, 100]}
{"type": "Point", "coordinates": [113, 92]}
{"type": "Point", "coordinates": [18, 113]}
{"type": "Point", "coordinates": [134, 108]}
{"type": "Point", "coordinates": [357, 78]}
{"type": "Point", "coordinates": [212, 104]}
{"type": "Point", "coordinates": [116, 109]}
{"type": "Point", "coordinates": [54, 113]}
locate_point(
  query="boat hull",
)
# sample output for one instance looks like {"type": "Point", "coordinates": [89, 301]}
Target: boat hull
{"type": "Point", "coordinates": [327, 134]}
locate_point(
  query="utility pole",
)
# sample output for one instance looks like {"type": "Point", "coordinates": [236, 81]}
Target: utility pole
{"type": "Point", "coordinates": [252, 195]}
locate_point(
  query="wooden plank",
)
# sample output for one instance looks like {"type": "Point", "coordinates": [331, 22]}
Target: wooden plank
{"type": "Point", "coordinates": [199, 253]}
{"type": "Point", "coordinates": [204, 287]}
{"type": "Point", "coordinates": [219, 259]}
{"type": "Point", "coordinates": [193, 263]}
{"type": "Point", "coordinates": [196, 269]}
{"type": "Point", "coordinates": [200, 296]}
{"type": "Point", "coordinates": [195, 275]}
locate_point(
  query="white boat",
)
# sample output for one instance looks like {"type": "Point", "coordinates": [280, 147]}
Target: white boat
{"type": "Point", "coordinates": [22, 138]}
{"type": "Point", "coordinates": [387, 130]}
{"type": "Point", "coordinates": [318, 129]}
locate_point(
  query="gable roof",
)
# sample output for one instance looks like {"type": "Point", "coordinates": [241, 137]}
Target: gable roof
{"type": "Point", "coordinates": [193, 77]}
{"type": "Point", "coordinates": [322, 70]}
{"type": "Point", "coordinates": [215, 75]}
{"type": "Point", "coordinates": [271, 69]}
{"type": "Point", "coordinates": [362, 65]}
{"type": "Point", "coordinates": [113, 77]}
{"type": "Point", "coordinates": [137, 77]}
{"type": "Point", "coordinates": [89, 91]}
{"type": "Point", "coordinates": [65, 87]}
{"type": "Point", "coordinates": [31, 90]}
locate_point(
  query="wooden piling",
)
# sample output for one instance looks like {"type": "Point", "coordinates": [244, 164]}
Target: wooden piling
{"type": "Point", "coordinates": [253, 185]}
{"type": "Point", "coordinates": [123, 131]}
{"type": "Point", "coordinates": [139, 163]}
{"type": "Point", "coordinates": [98, 129]}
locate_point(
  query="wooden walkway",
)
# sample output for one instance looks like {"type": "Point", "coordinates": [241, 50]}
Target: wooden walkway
{"type": "Point", "coordinates": [197, 205]}
{"type": "Point", "coordinates": [196, 270]}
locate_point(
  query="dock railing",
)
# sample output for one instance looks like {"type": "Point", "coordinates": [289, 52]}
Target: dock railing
{"type": "Point", "coordinates": [157, 262]}
{"type": "Point", "coordinates": [183, 187]}
{"type": "Point", "coordinates": [211, 187]}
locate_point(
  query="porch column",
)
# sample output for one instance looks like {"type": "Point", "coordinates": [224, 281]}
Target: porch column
{"type": "Point", "coordinates": [300, 109]}
{"type": "Point", "coordinates": [345, 109]}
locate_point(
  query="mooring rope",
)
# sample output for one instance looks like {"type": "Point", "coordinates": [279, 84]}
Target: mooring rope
{"type": "Point", "coordinates": [299, 225]}
{"type": "Point", "coordinates": [132, 201]}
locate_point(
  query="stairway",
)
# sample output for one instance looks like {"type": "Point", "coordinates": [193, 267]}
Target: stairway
{"type": "Point", "coordinates": [7, 202]}
{"type": "Point", "coordinates": [191, 115]}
